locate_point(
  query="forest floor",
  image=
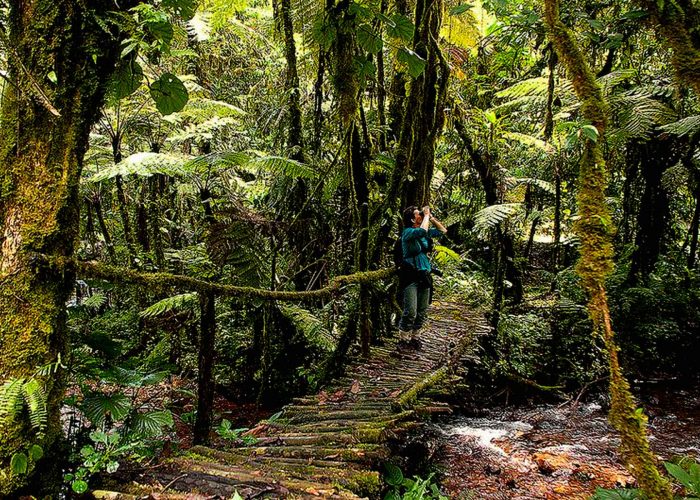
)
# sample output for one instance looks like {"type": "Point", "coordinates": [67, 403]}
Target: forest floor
{"type": "Point", "coordinates": [332, 444]}
{"type": "Point", "coordinates": [558, 451]}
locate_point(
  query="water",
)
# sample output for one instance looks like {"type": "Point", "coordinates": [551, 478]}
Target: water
{"type": "Point", "coordinates": [557, 452]}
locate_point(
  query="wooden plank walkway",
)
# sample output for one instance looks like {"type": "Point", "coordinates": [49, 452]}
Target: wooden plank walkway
{"type": "Point", "coordinates": [331, 445]}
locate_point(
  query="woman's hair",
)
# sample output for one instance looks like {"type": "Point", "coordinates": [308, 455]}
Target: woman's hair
{"type": "Point", "coordinates": [408, 216]}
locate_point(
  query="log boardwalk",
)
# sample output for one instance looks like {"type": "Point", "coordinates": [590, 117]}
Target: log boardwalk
{"type": "Point", "coordinates": [332, 445]}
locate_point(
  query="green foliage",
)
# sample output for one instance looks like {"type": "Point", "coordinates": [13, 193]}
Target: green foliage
{"type": "Point", "coordinates": [402, 488]}
{"type": "Point", "coordinates": [176, 303]}
{"type": "Point", "coordinates": [145, 165]}
{"type": "Point", "coordinates": [310, 326]}
{"type": "Point", "coordinates": [489, 217]}
{"type": "Point", "coordinates": [687, 473]}
{"type": "Point", "coordinates": [226, 431]}
{"type": "Point", "coordinates": [522, 343]}
{"type": "Point", "coordinates": [169, 93]}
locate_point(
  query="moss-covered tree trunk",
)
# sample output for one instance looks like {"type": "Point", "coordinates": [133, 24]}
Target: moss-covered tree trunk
{"type": "Point", "coordinates": [677, 22]}
{"type": "Point", "coordinates": [595, 229]}
{"type": "Point", "coordinates": [43, 138]}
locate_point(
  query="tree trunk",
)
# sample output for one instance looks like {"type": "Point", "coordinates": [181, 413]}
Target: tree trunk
{"type": "Point", "coordinates": [694, 228]}
{"type": "Point", "coordinates": [205, 367]}
{"type": "Point", "coordinates": [508, 260]}
{"type": "Point", "coordinates": [655, 156]}
{"type": "Point", "coordinates": [97, 205]}
{"type": "Point", "coordinates": [43, 139]}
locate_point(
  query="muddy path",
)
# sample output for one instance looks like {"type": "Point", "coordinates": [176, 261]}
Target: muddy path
{"type": "Point", "coordinates": [557, 452]}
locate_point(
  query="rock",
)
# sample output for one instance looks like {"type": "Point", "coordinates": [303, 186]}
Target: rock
{"type": "Point", "coordinates": [548, 463]}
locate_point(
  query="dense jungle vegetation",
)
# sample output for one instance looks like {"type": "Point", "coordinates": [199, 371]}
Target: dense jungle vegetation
{"type": "Point", "coordinates": [199, 200]}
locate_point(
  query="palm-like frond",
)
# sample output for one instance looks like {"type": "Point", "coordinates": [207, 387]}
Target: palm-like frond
{"type": "Point", "coordinates": [11, 399]}
{"type": "Point", "coordinates": [526, 88]}
{"type": "Point", "coordinates": [98, 406]}
{"type": "Point", "coordinates": [150, 425]}
{"type": "Point", "coordinates": [254, 162]}
{"type": "Point", "coordinates": [529, 140]}
{"type": "Point", "coordinates": [513, 182]}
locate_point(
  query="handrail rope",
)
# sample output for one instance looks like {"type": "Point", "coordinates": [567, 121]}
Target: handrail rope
{"type": "Point", "coordinates": [160, 280]}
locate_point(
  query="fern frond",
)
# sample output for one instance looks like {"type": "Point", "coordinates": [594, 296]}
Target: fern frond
{"type": "Point", "coordinates": [11, 399]}
{"type": "Point", "coordinates": [145, 165]}
{"type": "Point", "coordinates": [278, 164]}
{"type": "Point", "coordinates": [445, 255]}
{"type": "Point", "coordinates": [200, 26]}
{"type": "Point", "coordinates": [179, 302]}
{"type": "Point", "coordinates": [526, 101]}
{"type": "Point", "coordinates": [531, 87]}
{"type": "Point", "coordinates": [674, 177]}
{"type": "Point", "coordinates": [529, 140]}
{"type": "Point", "coordinates": [205, 131]}
{"type": "Point", "coordinates": [95, 301]}
{"type": "Point", "coordinates": [614, 78]}
{"type": "Point", "coordinates": [35, 397]}
{"type": "Point", "coordinates": [489, 217]}
{"type": "Point", "coordinates": [638, 114]}
{"type": "Point", "coordinates": [684, 126]}
{"type": "Point", "coordinates": [309, 326]}
{"type": "Point", "coordinates": [542, 184]}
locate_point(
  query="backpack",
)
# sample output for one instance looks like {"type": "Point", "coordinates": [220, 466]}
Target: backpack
{"type": "Point", "coordinates": [397, 251]}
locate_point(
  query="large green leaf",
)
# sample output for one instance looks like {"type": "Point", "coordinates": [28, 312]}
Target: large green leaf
{"type": "Point", "coordinates": [398, 26]}
{"type": "Point", "coordinates": [150, 425]}
{"type": "Point", "coordinates": [97, 406]}
{"type": "Point", "coordinates": [368, 40]}
{"type": "Point", "coordinates": [19, 463]}
{"type": "Point", "coordinates": [414, 63]}
{"type": "Point", "coordinates": [126, 80]}
{"type": "Point", "coordinates": [169, 93]}
{"type": "Point", "coordinates": [393, 475]}
{"type": "Point", "coordinates": [183, 8]}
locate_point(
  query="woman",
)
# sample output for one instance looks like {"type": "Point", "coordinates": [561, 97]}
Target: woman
{"type": "Point", "coordinates": [415, 278]}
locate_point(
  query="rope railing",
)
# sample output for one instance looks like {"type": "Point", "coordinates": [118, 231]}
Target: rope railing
{"type": "Point", "coordinates": [162, 280]}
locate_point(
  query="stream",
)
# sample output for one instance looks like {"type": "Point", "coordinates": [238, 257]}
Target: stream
{"type": "Point", "coordinates": [557, 452]}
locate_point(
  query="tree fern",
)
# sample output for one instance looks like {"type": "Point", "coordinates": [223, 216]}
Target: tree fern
{"type": "Point", "coordinates": [529, 140]}
{"type": "Point", "coordinates": [638, 114]}
{"type": "Point", "coordinates": [489, 217]}
{"type": "Point", "coordinates": [144, 165]}
{"type": "Point", "coordinates": [531, 87]}
{"type": "Point", "coordinates": [250, 161]}
{"type": "Point", "coordinates": [513, 182]}
{"type": "Point", "coordinates": [176, 303]}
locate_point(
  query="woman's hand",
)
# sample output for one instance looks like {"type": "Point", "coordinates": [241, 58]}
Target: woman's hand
{"type": "Point", "coordinates": [426, 211]}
